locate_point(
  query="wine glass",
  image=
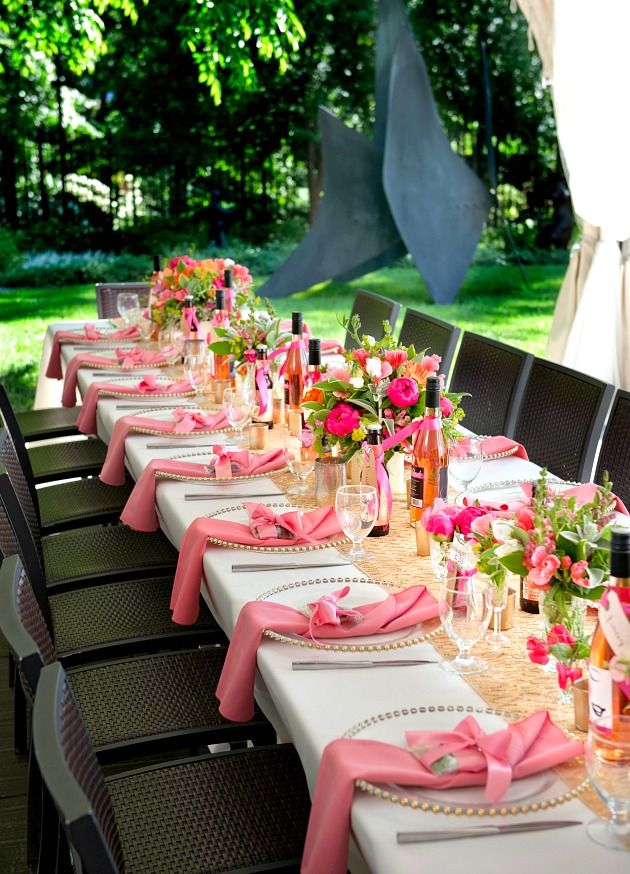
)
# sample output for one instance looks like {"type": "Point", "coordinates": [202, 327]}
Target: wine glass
{"type": "Point", "coordinates": [196, 364]}
{"type": "Point", "coordinates": [608, 766]}
{"type": "Point", "coordinates": [171, 345]}
{"type": "Point", "coordinates": [127, 303]}
{"type": "Point", "coordinates": [465, 459]}
{"type": "Point", "coordinates": [357, 509]}
{"type": "Point", "coordinates": [465, 605]}
{"type": "Point", "coordinates": [498, 595]}
{"type": "Point", "coordinates": [300, 455]}
{"type": "Point", "coordinates": [239, 407]}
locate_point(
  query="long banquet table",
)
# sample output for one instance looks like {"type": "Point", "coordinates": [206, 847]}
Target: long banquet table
{"type": "Point", "coordinates": [311, 709]}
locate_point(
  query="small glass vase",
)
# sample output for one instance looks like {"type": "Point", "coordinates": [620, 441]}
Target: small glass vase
{"type": "Point", "coordinates": [558, 607]}
{"type": "Point", "coordinates": [439, 558]}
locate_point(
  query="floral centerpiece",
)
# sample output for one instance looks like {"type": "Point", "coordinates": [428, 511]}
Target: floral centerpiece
{"type": "Point", "coordinates": [250, 326]}
{"type": "Point", "coordinates": [381, 381]}
{"type": "Point", "coordinates": [185, 276]}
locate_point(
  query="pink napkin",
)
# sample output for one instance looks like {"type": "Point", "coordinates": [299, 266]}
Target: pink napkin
{"type": "Point", "coordinates": [495, 445]}
{"type": "Point", "coordinates": [308, 527]}
{"type": "Point", "coordinates": [113, 472]}
{"type": "Point", "coordinates": [139, 512]}
{"type": "Point", "coordinates": [53, 370]}
{"type": "Point", "coordinates": [123, 358]}
{"type": "Point", "coordinates": [332, 346]}
{"type": "Point", "coordinates": [86, 420]}
{"type": "Point", "coordinates": [523, 748]}
{"type": "Point", "coordinates": [236, 685]}
{"type": "Point", "coordinates": [584, 493]}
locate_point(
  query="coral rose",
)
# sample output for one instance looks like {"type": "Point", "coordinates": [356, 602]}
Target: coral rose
{"type": "Point", "coordinates": [403, 392]}
{"type": "Point", "coordinates": [446, 406]}
{"type": "Point", "coordinates": [342, 420]}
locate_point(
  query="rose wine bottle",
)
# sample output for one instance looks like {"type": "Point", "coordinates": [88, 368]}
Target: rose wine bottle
{"type": "Point", "coordinates": [297, 366]}
{"type": "Point", "coordinates": [188, 326]}
{"type": "Point", "coordinates": [221, 362]}
{"type": "Point", "coordinates": [262, 373]}
{"type": "Point", "coordinates": [429, 472]}
{"type": "Point", "coordinates": [314, 362]}
{"type": "Point", "coordinates": [530, 598]}
{"type": "Point", "coordinates": [369, 478]}
{"type": "Point", "coordinates": [228, 288]}
{"type": "Point", "coordinates": [607, 697]}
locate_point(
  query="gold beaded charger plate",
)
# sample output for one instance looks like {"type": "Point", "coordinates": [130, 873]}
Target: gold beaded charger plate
{"type": "Point", "coordinates": [239, 514]}
{"type": "Point", "coordinates": [205, 458]}
{"type": "Point", "coordinates": [114, 365]}
{"type": "Point", "coordinates": [141, 396]}
{"type": "Point", "coordinates": [508, 490]}
{"type": "Point", "coordinates": [529, 795]}
{"type": "Point", "coordinates": [362, 591]}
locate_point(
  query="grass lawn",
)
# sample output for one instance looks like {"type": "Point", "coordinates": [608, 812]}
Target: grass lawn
{"type": "Point", "coordinates": [493, 301]}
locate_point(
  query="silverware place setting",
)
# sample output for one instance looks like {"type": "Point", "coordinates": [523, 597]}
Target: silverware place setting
{"type": "Point", "coordinates": [343, 664]}
{"type": "Point", "coordinates": [482, 831]}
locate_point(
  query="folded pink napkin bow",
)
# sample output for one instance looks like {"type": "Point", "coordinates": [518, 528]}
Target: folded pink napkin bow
{"type": "Point", "coordinates": [124, 358]}
{"type": "Point", "coordinates": [267, 525]}
{"type": "Point", "coordinates": [53, 371]}
{"type": "Point", "coordinates": [584, 494]}
{"type": "Point", "coordinates": [86, 419]}
{"type": "Point", "coordinates": [497, 445]}
{"type": "Point", "coordinates": [139, 512]}
{"type": "Point", "coordinates": [316, 526]}
{"type": "Point", "coordinates": [523, 748]}
{"type": "Point", "coordinates": [236, 685]}
{"type": "Point", "coordinates": [113, 471]}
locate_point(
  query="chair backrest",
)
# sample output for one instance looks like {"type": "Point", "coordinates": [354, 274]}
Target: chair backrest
{"type": "Point", "coordinates": [107, 296]}
{"type": "Point", "coordinates": [427, 332]}
{"type": "Point", "coordinates": [373, 310]}
{"type": "Point", "coordinates": [73, 777]}
{"type": "Point", "coordinates": [25, 487]}
{"type": "Point", "coordinates": [495, 375]}
{"type": "Point", "coordinates": [23, 624]}
{"type": "Point", "coordinates": [16, 538]}
{"type": "Point", "coordinates": [614, 454]}
{"type": "Point", "coordinates": [562, 418]}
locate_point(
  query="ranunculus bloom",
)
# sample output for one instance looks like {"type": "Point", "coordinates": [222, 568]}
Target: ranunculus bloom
{"type": "Point", "coordinates": [537, 650]}
{"type": "Point", "coordinates": [465, 517]}
{"type": "Point", "coordinates": [578, 571]}
{"type": "Point", "coordinates": [446, 406]}
{"type": "Point", "coordinates": [396, 357]}
{"type": "Point", "coordinates": [560, 634]}
{"type": "Point", "coordinates": [440, 526]}
{"type": "Point", "coordinates": [342, 420]}
{"type": "Point", "coordinates": [403, 392]}
{"type": "Point", "coordinates": [361, 356]}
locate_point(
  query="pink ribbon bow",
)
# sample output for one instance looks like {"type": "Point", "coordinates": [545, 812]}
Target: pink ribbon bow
{"type": "Point", "coordinates": [383, 485]}
{"type": "Point", "coordinates": [225, 459]}
{"type": "Point", "coordinates": [496, 752]}
{"type": "Point", "coordinates": [267, 525]}
{"type": "Point", "coordinates": [131, 357]}
{"type": "Point", "coordinates": [326, 611]}
{"type": "Point", "coordinates": [187, 422]}
{"type": "Point", "coordinates": [190, 317]}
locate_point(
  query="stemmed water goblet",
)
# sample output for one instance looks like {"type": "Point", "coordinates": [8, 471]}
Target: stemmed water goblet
{"type": "Point", "coordinates": [498, 594]}
{"type": "Point", "coordinates": [465, 458]}
{"type": "Point", "coordinates": [238, 405]}
{"type": "Point", "coordinates": [608, 767]}
{"type": "Point", "coordinates": [196, 365]}
{"type": "Point", "coordinates": [300, 455]}
{"type": "Point", "coordinates": [128, 304]}
{"type": "Point", "coordinates": [465, 606]}
{"type": "Point", "coordinates": [357, 510]}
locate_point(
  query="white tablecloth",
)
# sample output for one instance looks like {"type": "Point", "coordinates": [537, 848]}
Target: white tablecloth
{"type": "Point", "coordinates": [314, 708]}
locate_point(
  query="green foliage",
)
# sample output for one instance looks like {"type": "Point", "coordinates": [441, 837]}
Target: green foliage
{"type": "Point", "coordinates": [42, 269]}
{"type": "Point", "coordinates": [9, 253]}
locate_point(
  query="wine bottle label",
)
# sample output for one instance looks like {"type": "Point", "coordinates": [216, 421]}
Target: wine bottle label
{"type": "Point", "coordinates": [613, 622]}
{"type": "Point", "coordinates": [600, 694]}
{"type": "Point", "coordinates": [417, 486]}
{"type": "Point", "coordinates": [530, 593]}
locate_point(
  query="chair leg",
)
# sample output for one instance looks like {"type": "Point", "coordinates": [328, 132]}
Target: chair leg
{"type": "Point", "coordinates": [33, 808]}
{"type": "Point", "coordinates": [49, 836]}
{"type": "Point", "coordinates": [20, 739]}
{"type": "Point", "coordinates": [11, 668]}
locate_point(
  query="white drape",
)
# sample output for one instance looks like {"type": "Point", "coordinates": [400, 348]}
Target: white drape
{"type": "Point", "coordinates": [591, 80]}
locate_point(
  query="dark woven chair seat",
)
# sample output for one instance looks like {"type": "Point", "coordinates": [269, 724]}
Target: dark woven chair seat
{"type": "Point", "coordinates": [49, 423]}
{"type": "Point", "coordinates": [69, 504]}
{"type": "Point", "coordinates": [213, 814]}
{"type": "Point", "coordinates": [615, 452]}
{"type": "Point", "coordinates": [117, 613]}
{"type": "Point", "coordinates": [150, 695]}
{"type": "Point", "coordinates": [63, 460]}
{"type": "Point", "coordinates": [96, 551]}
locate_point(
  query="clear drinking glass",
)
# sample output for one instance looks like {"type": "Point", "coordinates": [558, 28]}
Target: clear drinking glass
{"type": "Point", "coordinates": [239, 407]}
{"type": "Point", "coordinates": [127, 303]}
{"type": "Point", "coordinates": [196, 364]}
{"type": "Point", "coordinates": [171, 344]}
{"type": "Point", "coordinates": [608, 766]}
{"type": "Point", "coordinates": [465, 605]}
{"type": "Point", "coordinates": [498, 595]}
{"type": "Point", "coordinates": [465, 459]}
{"type": "Point", "coordinates": [300, 456]}
{"type": "Point", "coordinates": [357, 509]}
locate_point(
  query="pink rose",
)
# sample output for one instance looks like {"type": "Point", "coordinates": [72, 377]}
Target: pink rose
{"type": "Point", "coordinates": [537, 650]}
{"type": "Point", "coordinates": [342, 420]}
{"type": "Point", "coordinates": [361, 356]}
{"type": "Point", "coordinates": [465, 518]}
{"type": "Point", "coordinates": [578, 571]}
{"type": "Point", "coordinates": [565, 562]}
{"type": "Point", "coordinates": [482, 525]}
{"type": "Point", "coordinates": [525, 519]}
{"type": "Point", "coordinates": [439, 525]}
{"type": "Point", "coordinates": [560, 634]}
{"type": "Point", "coordinates": [403, 391]}
{"type": "Point", "coordinates": [446, 406]}
{"type": "Point", "coordinates": [340, 373]}
{"type": "Point", "coordinates": [544, 567]}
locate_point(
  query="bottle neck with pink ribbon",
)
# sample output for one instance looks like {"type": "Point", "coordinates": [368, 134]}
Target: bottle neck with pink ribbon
{"type": "Point", "coordinates": [429, 472]}
{"type": "Point", "coordinates": [374, 473]}
{"type": "Point", "coordinates": [219, 319]}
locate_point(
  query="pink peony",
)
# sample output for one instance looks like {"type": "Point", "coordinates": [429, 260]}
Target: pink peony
{"type": "Point", "coordinates": [342, 420]}
{"type": "Point", "coordinates": [578, 571]}
{"type": "Point", "coordinates": [446, 406]}
{"type": "Point", "coordinates": [396, 357]}
{"type": "Point", "coordinates": [403, 391]}
{"type": "Point", "coordinates": [537, 650]}
{"type": "Point", "coordinates": [465, 518]}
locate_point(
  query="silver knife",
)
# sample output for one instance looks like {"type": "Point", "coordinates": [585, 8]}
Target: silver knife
{"type": "Point", "coordinates": [228, 494]}
{"type": "Point", "coordinates": [244, 568]}
{"type": "Point", "coordinates": [482, 831]}
{"type": "Point", "coordinates": [166, 406]}
{"type": "Point", "coordinates": [180, 445]}
{"type": "Point", "coordinates": [336, 664]}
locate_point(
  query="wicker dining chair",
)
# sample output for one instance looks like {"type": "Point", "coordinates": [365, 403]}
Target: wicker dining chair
{"type": "Point", "coordinates": [55, 461]}
{"type": "Point", "coordinates": [614, 456]}
{"type": "Point", "coordinates": [152, 703]}
{"type": "Point", "coordinates": [427, 332]}
{"type": "Point", "coordinates": [69, 503]}
{"type": "Point", "coordinates": [562, 419]}
{"type": "Point", "coordinates": [495, 375]}
{"type": "Point", "coordinates": [373, 310]}
{"type": "Point", "coordinates": [238, 811]}
{"type": "Point", "coordinates": [85, 556]}
{"type": "Point", "coordinates": [107, 296]}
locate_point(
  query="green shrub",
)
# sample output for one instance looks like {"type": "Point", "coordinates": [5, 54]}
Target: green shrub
{"type": "Point", "coordinates": [9, 254]}
{"type": "Point", "coordinates": [39, 269]}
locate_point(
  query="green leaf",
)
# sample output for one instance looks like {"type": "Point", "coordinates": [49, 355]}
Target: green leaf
{"type": "Point", "coordinates": [513, 562]}
{"type": "Point", "coordinates": [221, 347]}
